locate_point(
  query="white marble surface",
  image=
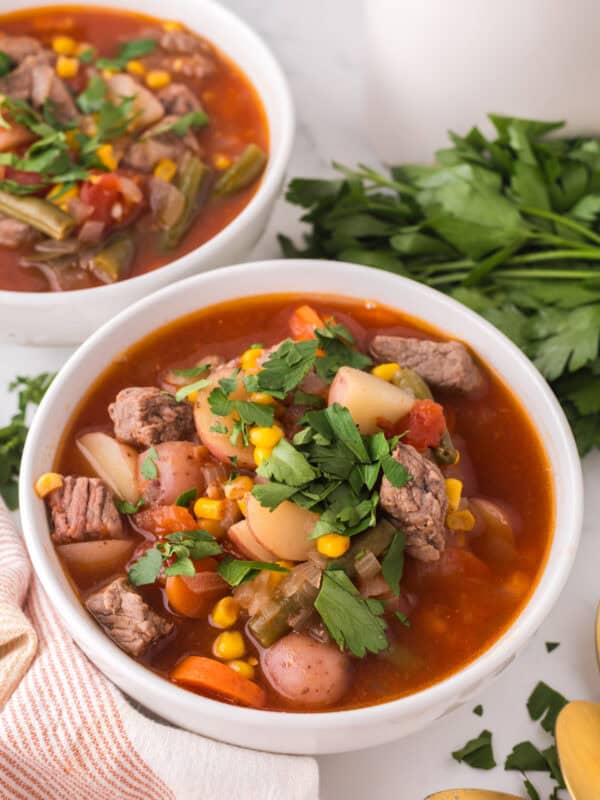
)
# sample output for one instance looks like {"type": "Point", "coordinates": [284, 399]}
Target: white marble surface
{"type": "Point", "coordinates": [320, 45]}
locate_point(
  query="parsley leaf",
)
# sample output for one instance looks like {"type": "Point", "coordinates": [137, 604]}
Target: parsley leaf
{"type": "Point", "coordinates": [12, 436]}
{"type": "Point", "coordinates": [135, 48]}
{"type": "Point", "coordinates": [551, 646]}
{"type": "Point", "coordinates": [93, 97]}
{"type": "Point", "coordinates": [185, 391]}
{"type": "Point", "coordinates": [236, 571]}
{"type": "Point", "coordinates": [147, 568]}
{"type": "Point", "coordinates": [125, 507]}
{"type": "Point", "coordinates": [545, 704]}
{"type": "Point", "coordinates": [306, 399]}
{"type": "Point", "coordinates": [149, 469]}
{"type": "Point", "coordinates": [392, 566]}
{"type": "Point", "coordinates": [185, 498]}
{"type": "Point", "coordinates": [525, 757]}
{"type": "Point", "coordinates": [271, 495]}
{"type": "Point", "coordinates": [6, 64]}
{"type": "Point", "coordinates": [176, 553]}
{"type": "Point", "coordinates": [532, 792]}
{"type": "Point", "coordinates": [478, 710]}
{"type": "Point", "coordinates": [195, 119]}
{"type": "Point", "coordinates": [477, 753]}
{"type": "Point", "coordinates": [286, 465]}
{"type": "Point", "coordinates": [354, 622]}
{"type": "Point", "coordinates": [286, 367]}
{"type": "Point", "coordinates": [191, 372]}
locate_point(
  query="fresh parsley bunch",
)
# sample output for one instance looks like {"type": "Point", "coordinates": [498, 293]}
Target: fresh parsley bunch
{"type": "Point", "coordinates": [508, 225]}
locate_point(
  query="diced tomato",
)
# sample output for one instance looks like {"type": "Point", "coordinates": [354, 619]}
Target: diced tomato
{"type": "Point", "coordinates": [101, 196]}
{"type": "Point", "coordinates": [425, 424]}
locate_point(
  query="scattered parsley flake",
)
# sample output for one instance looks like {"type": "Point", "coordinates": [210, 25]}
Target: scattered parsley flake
{"type": "Point", "coordinates": [191, 372]}
{"type": "Point", "coordinates": [545, 704]}
{"type": "Point", "coordinates": [185, 498]}
{"type": "Point", "coordinates": [236, 571]}
{"type": "Point", "coordinates": [185, 391]}
{"type": "Point", "coordinates": [477, 753]}
{"type": "Point", "coordinates": [125, 507]}
{"type": "Point", "coordinates": [392, 566]}
{"type": "Point", "coordinates": [478, 710]}
{"type": "Point", "coordinates": [551, 646]}
{"type": "Point", "coordinates": [149, 469]}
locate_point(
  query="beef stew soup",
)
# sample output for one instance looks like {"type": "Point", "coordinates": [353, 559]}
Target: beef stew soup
{"type": "Point", "coordinates": [125, 143]}
{"type": "Point", "coordinates": [301, 503]}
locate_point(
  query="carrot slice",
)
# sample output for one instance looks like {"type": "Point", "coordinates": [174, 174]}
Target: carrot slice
{"type": "Point", "coordinates": [161, 520]}
{"type": "Point", "coordinates": [193, 596]}
{"type": "Point", "coordinates": [303, 322]}
{"type": "Point", "coordinates": [198, 672]}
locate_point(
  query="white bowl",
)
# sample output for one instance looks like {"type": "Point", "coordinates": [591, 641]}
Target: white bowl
{"type": "Point", "coordinates": [44, 318]}
{"type": "Point", "coordinates": [290, 732]}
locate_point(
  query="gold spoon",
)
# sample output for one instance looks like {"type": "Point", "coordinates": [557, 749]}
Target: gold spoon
{"type": "Point", "coordinates": [471, 794]}
{"type": "Point", "coordinates": [578, 742]}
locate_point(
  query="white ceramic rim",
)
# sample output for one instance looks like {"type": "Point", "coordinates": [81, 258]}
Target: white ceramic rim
{"type": "Point", "coordinates": [490, 662]}
{"type": "Point", "coordinates": [269, 185]}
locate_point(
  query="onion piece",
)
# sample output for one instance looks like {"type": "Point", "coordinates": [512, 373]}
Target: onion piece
{"type": "Point", "coordinates": [91, 231]}
{"type": "Point", "coordinates": [367, 566]}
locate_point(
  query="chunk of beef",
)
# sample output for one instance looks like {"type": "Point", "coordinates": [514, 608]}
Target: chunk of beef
{"type": "Point", "coordinates": [444, 365]}
{"type": "Point", "coordinates": [35, 80]}
{"type": "Point", "coordinates": [144, 155]}
{"type": "Point", "coordinates": [15, 234]}
{"type": "Point", "coordinates": [126, 617]}
{"type": "Point", "coordinates": [420, 506]}
{"type": "Point", "coordinates": [143, 416]}
{"type": "Point", "coordinates": [19, 47]}
{"type": "Point", "coordinates": [83, 509]}
{"type": "Point", "coordinates": [181, 41]}
{"type": "Point", "coordinates": [178, 99]}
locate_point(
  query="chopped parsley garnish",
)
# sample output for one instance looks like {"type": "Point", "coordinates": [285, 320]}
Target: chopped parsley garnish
{"type": "Point", "coordinates": [6, 64]}
{"type": "Point", "coordinates": [191, 372]}
{"type": "Point", "coordinates": [248, 413]}
{"type": "Point", "coordinates": [191, 387]}
{"type": "Point", "coordinates": [477, 753]}
{"type": "Point", "coordinates": [525, 757]}
{"type": "Point", "coordinates": [332, 470]}
{"type": "Point", "coordinates": [402, 618]}
{"type": "Point", "coordinates": [12, 436]}
{"type": "Point", "coordinates": [392, 566]}
{"type": "Point", "coordinates": [532, 792]}
{"type": "Point", "coordinates": [125, 507]}
{"type": "Point", "coordinates": [354, 622]}
{"type": "Point", "coordinates": [93, 97]}
{"type": "Point", "coordinates": [175, 554]}
{"type": "Point", "coordinates": [185, 498]}
{"type": "Point", "coordinates": [311, 400]}
{"type": "Point", "coordinates": [149, 469]}
{"type": "Point", "coordinates": [545, 704]}
{"type": "Point", "coordinates": [136, 48]}
{"type": "Point", "coordinates": [236, 571]}
{"type": "Point", "coordinates": [551, 646]}
{"type": "Point", "coordinates": [478, 710]}
{"type": "Point", "coordinates": [195, 119]}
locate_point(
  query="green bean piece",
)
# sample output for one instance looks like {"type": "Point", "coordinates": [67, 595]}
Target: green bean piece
{"type": "Point", "coordinates": [412, 382]}
{"type": "Point", "coordinates": [191, 181]}
{"type": "Point", "coordinates": [242, 172]}
{"type": "Point", "coordinates": [40, 214]}
{"type": "Point", "coordinates": [112, 263]}
{"type": "Point", "coordinates": [268, 628]}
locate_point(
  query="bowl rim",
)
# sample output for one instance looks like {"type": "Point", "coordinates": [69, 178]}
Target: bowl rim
{"type": "Point", "coordinates": [455, 686]}
{"type": "Point", "coordinates": [269, 184]}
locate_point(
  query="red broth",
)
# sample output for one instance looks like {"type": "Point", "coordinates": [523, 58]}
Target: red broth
{"type": "Point", "coordinates": [462, 603]}
{"type": "Point", "coordinates": [236, 113]}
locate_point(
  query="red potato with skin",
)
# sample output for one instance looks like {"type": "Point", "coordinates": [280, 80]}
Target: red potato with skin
{"type": "Point", "coordinates": [180, 467]}
{"type": "Point", "coordinates": [306, 672]}
{"type": "Point", "coordinates": [247, 544]}
{"type": "Point", "coordinates": [284, 531]}
{"type": "Point", "coordinates": [369, 399]}
{"type": "Point", "coordinates": [219, 444]}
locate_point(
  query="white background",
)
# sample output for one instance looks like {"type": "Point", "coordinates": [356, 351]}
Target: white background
{"type": "Point", "coordinates": [321, 47]}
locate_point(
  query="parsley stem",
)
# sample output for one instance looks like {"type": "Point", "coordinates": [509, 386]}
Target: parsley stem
{"type": "Point", "coordinates": [567, 222]}
{"type": "Point", "coordinates": [377, 178]}
{"type": "Point", "coordinates": [568, 274]}
{"type": "Point", "coordinates": [555, 255]}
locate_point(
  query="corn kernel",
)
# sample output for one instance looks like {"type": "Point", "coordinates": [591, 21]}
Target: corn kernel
{"type": "Point", "coordinates": [454, 489]}
{"type": "Point", "coordinates": [252, 661]}
{"type": "Point", "coordinates": [64, 45]}
{"type": "Point", "coordinates": [333, 545]}
{"type": "Point", "coordinates": [245, 669]}
{"type": "Point", "coordinates": [249, 358]}
{"type": "Point", "coordinates": [265, 437]}
{"type": "Point", "coordinates": [210, 509]}
{"type": "Point", "coordinates": [172, 25]}
{"type": "Point", "coordinates": [460, 520]}
{"type": "Point", "coordinates": [275, 578]}
{"type": "Point", "coordinates": [238, 487]}
{"type": "Point", "coordinates": [67, 67]}
{"type": "Point", "coordinates": [60, 197]}
{"type": "Point", "coordinates": [157, 79]}
{"type": "Point", "coordinates": [136, 67]}
{"type": "Point", "coordinates": [221, 161]}
{"type": "Point", "coordinates": [262, 399]}
{"type": "Point", "coordinates": [212, 526]}
{"type": "Point", "coordinates": [107, 156]}
{"type": "Point", "coordinates": [191, 397]}
{"type": "Point", "coordinates": [47, 483]}
{"type": "Point", "coordinates": [385, 371]}
{"type": "Point", "coordinates": [229, 645]}
{"type": "Point", "coordinates": [165, 169]}
{"type": "Point", "coordinates": [225, 613]}
{"type": "Point", "coordinates": [243, 506]}
{"type": "Point", "coordinates": [260, 454]}
{"type": "Point", "coordinates": [107, 74]}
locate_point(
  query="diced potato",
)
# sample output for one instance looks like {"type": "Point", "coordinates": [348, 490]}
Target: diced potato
{"type": "Point", "coordinates": [369, 399]}
{"type": "Point", "coordinates": [96, 559]}
{"type": "Point", "coordinates": [114, 462]}
{"type": "Point", "coordinates": [219, 444]}
{"type": "Point", "coordinates": [284, 531]}
{"type": "Point", "coordinates": [246, 543]}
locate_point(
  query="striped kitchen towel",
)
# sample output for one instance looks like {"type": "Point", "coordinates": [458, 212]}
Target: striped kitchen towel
{"type": "Point", "coordinates": [66, 733]}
